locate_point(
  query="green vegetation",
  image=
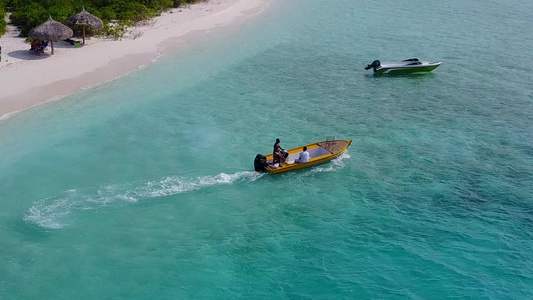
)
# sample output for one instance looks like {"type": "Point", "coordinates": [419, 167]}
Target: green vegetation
{"type": "Point", "coordinates": [29, 13]}
{"type": "Point", "coordinates": [2, 17]}
{"type": "Point", "coordinates": [2, 22]}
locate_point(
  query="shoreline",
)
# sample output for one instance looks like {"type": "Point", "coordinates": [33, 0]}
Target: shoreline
{"type": "Point", "coordinates": [25, 83]}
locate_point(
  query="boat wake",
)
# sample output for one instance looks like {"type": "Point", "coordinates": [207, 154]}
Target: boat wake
{"type": "Point", "coordinates": [335, 165]}
{"type": "Point", "coordinates": [51, 212]}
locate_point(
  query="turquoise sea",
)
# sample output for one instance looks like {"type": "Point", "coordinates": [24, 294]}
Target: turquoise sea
{"type": "Point", "coordinates": [143, 187]}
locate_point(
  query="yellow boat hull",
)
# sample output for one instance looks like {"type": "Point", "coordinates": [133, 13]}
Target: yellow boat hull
{"type": "Point", "coordinates": [321, 152]}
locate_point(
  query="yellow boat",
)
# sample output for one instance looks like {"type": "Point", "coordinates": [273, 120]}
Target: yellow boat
{"type": "Point", "coordinates": [320, 152]}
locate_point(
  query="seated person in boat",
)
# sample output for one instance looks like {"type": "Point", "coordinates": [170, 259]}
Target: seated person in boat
{"type": "Point", "coordinates": [277, 154]}
{"type": "Point", "coordinates": [304, 156]}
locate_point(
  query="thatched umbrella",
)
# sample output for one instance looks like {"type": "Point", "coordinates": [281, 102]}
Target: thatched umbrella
{"type": "Point", "coordinates": [51, 30]}
{"type": "Point", "coordinates": [84, 18]}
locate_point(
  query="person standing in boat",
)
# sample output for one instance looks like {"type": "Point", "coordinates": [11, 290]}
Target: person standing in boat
{"type": "Point", "coordinates": [304, 157]}
{"type": "Point", "coordinates": [276, 153]}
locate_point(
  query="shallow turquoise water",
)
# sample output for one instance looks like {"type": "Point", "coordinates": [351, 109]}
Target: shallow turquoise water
{"type": "Point", "coordinates": [143, 187]}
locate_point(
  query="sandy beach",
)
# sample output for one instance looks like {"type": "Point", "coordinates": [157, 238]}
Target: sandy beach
{"type": "Point", "coordinates": [27, 80]}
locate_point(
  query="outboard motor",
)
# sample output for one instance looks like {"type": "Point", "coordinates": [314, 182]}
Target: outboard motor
{"type": "Point", "coordinates": [285, 154]}
{"type": "Point", "coordinates": [260, 163]}
{"type": "Point", "coordinates": [374, 65]}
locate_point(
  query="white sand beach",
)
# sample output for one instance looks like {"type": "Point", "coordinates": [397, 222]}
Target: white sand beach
{"type": "Point", "coordinates": [27, 79]}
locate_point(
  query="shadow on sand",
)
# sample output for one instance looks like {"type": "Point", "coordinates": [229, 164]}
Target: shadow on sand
{"type": "Point", "coordinates": [63, 45]}
{"type": "Point", "coordinates": [27, 55]}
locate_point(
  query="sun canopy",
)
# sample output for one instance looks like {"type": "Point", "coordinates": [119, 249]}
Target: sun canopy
{"type": "Point", "coordinates": [51, 30]}
{"type": "Point", "coordinates": [84, 18]}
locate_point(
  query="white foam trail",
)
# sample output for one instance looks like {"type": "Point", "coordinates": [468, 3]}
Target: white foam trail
{"type": "Point", "coordinates": [336, 164]}
{"type": "Point", "coordinates": [50, 212]}
{"type": "Point", "coordinates": [176, 185]}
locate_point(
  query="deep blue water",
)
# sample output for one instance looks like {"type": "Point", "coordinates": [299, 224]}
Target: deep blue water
{"type": "Point", "coordinates": [143, 188]}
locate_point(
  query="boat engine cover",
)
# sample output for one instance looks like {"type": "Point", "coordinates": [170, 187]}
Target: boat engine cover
{"type": "Point", "coordinates": [260, 163]}
{"type": "Point", "coordinates": [375, 64]}
{"type": "Point", "coordinates": [285, 154]}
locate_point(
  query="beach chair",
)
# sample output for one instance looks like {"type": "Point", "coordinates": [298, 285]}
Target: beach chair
{"type": "Point", "coordinates": [73, 42]}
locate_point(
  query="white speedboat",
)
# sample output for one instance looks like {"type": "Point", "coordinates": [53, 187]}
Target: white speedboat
{"type": "Point", "coordinates": [411, 65]}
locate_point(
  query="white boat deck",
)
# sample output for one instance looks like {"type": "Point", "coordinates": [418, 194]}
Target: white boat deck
{"type": "Point", "coordinates": [409, 64]}
{"type": "Point", "coordinates": [315, 152]}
